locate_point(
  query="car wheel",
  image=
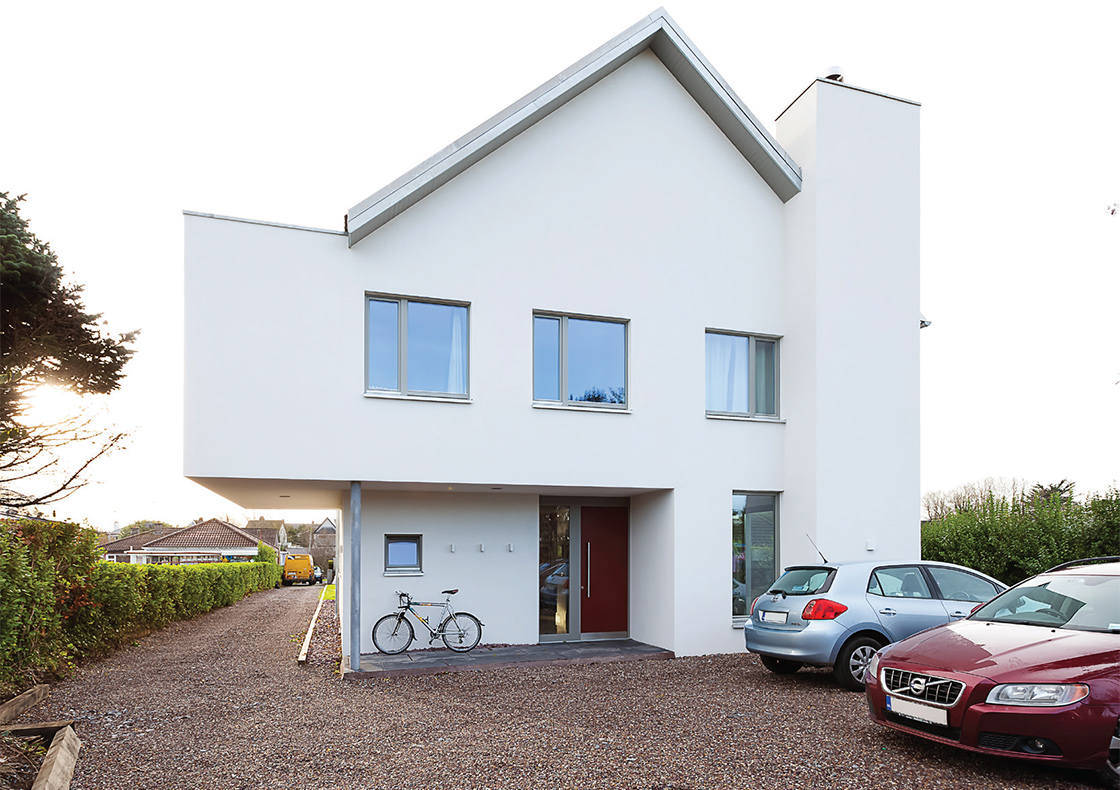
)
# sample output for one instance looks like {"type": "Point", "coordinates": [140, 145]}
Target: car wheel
{"type": "Point", "coordinates": [1111, 770]}
{"type": "Point", "coordinates": [780, 666]}
{"type": "Point", "coordinates": [851, 664]}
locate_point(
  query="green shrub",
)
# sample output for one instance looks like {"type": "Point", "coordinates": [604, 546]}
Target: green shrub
{"type": "Point", "coordinates": [58, 602]}
{"type": "Point", "coordinates": [1015, 538]}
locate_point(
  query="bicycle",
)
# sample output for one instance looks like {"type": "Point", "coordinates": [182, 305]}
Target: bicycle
{"type": "Point", "coordinates": [460, 631]}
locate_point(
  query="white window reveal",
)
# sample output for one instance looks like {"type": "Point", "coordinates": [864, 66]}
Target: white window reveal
{"type": "Point", "coordinates": [742, 374]}
{"type": "Point", "coordinates": [416, 347]}
{"type": "Point", "coordinates": [404, 555]}
{"type": "Point", "coordinates": [579, 361]}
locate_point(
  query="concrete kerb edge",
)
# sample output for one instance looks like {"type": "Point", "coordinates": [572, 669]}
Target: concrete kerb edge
{"type": "Point", "coordinates": [302, 659]}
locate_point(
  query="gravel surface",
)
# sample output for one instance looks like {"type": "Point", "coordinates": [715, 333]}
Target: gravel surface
{"type": "Point", "coordinates": [219, 702]}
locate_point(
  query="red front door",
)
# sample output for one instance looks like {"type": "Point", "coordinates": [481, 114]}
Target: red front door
{"type": "Point", "coordinates": [604, 582]}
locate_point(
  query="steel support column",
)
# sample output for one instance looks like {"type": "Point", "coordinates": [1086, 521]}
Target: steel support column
{"type": "Point", "coordinates": [354, 574]}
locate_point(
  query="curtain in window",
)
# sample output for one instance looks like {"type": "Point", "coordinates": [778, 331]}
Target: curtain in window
{"type": "Point", "coordinates": [726, 369]}
{"type": "Point", "coordinates": [457, 363]}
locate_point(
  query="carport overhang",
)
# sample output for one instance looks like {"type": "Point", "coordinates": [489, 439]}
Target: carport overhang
{"type": "Point", "coordinates": [280, 494]}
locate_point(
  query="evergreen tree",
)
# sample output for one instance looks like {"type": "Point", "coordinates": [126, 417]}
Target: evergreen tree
{"type": "Point", "coordinates": [46, 338]}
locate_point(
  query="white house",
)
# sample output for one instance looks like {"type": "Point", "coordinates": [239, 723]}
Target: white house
{"type": "Point", "coordinates": [604, 364]}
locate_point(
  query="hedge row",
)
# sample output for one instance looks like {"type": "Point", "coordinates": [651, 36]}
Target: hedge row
{"type": "Point", "coordinates": [1015, 538]}
{"type": "Point", "coordinates": [59, 602]}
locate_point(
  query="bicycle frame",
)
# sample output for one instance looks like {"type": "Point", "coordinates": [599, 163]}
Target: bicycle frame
{"type": "Point", "coordinates": [446, 610]}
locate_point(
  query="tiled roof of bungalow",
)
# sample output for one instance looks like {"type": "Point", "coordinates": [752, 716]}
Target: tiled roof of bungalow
{"type": "Point", "coordinates": [212, 534]}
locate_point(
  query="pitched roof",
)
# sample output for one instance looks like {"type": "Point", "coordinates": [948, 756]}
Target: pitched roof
{"type": "Point", "coordinates": [657, 33]}
{"type": "Point", "coordinates": [212, 534]}
{"type": "Point", "coordinates": [267, 535]}
{"type": "Point", "coordinates": [133, 541]}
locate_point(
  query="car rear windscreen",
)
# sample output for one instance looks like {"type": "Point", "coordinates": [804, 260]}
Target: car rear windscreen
{"type": "Point", "coordinates": [802, 581]}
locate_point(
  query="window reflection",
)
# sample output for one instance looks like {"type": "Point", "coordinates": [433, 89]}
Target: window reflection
{"type": "Point", "coordinates": [596, 361]}
{"type": "Point", "coordinates": [546, 358]}
{"type": "Point", "coordinates": [426, 353]}
{"type": "Point", "coordinates": [579, 360]}
{"type": "Point", "coordinates": [754, 555]}
{"type": "Point", "coordinates": [383, 344]}
{"type": "Point", "coordinates": [554, 569]}
{"type": "Point", "coordinates": [437, 348]}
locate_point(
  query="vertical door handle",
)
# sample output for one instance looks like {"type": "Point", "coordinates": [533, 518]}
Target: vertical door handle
{"type": "Point", "coordinates": [588, 570]}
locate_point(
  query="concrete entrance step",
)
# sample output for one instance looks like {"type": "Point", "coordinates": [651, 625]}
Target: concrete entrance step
{"type": "Point", "coordinates": [430, 662]}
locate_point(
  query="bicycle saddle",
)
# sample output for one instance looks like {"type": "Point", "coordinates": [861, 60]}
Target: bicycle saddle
{"type": "Point", "coordinates": [448, 592]}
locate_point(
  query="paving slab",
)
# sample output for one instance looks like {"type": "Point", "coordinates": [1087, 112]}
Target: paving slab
{"type": "Point", "coordinates": [430, 662]}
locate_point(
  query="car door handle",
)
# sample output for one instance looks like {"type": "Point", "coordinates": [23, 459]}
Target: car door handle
{"type": "Point", "coordinates": [888, 611]}
{"type": "Point", "coordinates": [957, 615]}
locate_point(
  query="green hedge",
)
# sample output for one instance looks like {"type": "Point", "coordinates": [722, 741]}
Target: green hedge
{"type": "Point", "coordinates": [1013, 539]}
{"type": "Point", "coordinates": [60, 602]}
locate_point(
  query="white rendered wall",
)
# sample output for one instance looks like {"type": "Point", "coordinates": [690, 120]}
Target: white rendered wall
{"type": "Point", "coordinates": [652, 568]}
{"type": "Point", "coordinates": [627, 202]}
{"type": "Point", "coordinates": [498, 585]}
{"type": "Point", "coordinates": [850, 360]}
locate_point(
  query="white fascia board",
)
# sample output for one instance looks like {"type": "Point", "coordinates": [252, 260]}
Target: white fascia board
{"type": "Point", "coordinates": [657, 33]}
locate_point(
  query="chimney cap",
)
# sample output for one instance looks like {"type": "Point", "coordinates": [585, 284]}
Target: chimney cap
{"type": "Point", "coordinates": [834, 73]}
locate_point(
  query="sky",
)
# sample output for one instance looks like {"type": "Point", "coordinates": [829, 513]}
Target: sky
{"type": "Point", "coordinates": [121, 115]}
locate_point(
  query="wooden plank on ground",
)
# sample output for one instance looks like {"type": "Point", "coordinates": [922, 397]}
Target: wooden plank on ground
{"type": "Point", "coordinates": [17, 705]}
{"type": "Point", "coordinates": [307, 639]}
{"type": "Point", "coordinates": [58, 765]}
{"type": "Point", "coordinates": [40, 729]}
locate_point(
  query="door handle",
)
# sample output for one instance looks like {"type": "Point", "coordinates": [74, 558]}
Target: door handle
{"type": "Point", "coordinates": [888, 611]}
{"type": "Point", "coordinates": [588, 570]}
{"type": "Point", "coordinates": [958, 615]}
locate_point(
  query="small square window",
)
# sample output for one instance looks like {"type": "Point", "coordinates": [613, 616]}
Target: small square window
{"type": "Point", "coordinates": [403, 553]}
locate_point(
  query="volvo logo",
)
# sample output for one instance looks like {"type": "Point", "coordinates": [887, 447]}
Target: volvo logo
{"type": "Point", "coordinates": [917, 686]}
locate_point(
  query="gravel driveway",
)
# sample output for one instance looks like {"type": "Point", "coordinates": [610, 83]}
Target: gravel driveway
{"type": "Point", "coordinates": [219, 702]}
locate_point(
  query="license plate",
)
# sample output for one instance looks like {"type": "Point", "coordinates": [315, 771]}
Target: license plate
{"type": "Point", "coordinates": [915, 710]}
{"type": "Point", "coordinates": [773, 617]}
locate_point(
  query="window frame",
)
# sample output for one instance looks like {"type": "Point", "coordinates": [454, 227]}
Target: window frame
{"type": "Point", "coordinates": [405, 570]}
{"type": "Point", "coordinates": [564, 401]}
{"type": "Point", "coordinates": [739, 619]}
{"type": "Point", "coordinates": [402, 390]}
{"type": "Point", "coordinates": [752, 412]}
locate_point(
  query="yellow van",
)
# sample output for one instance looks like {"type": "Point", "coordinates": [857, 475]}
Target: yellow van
{"type": "Point", "coordinates": [298, 568]}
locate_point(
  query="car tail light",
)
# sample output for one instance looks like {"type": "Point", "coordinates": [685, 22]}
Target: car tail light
{"type": "Point", "coordinates": [823, 609]}
{"type": "Point", "coordinates": [753, 604]}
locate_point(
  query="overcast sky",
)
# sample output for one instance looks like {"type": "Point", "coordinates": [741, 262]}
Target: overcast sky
{"type": "Point", "coordinates": [118, 116]}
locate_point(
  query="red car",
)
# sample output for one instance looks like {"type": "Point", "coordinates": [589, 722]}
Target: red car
{"type": "Point", "coordinates": [1033, 674]}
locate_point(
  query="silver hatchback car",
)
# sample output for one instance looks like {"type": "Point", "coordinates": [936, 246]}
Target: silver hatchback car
{"type": "Point", "coordinates": [839, 613]}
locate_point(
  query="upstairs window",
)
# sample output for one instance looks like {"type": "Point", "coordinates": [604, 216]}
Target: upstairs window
{"type": "Point", "coordinates": [742, 374]}
{"type": "Point", "coordinates": [579, 361]}
{"type": "Point", "coordinates": [415, 347]}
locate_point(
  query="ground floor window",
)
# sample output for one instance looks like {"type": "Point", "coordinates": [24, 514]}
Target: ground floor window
{"type": "Point", "coordinates": [754, 547]}
{"type": "Point", "coordinates": [403, 554]}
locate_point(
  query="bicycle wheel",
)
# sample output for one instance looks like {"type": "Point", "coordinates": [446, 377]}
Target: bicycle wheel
{"type": "Point", "coordinates": [392, 634]}
{"type": "Point", "coordinates": [461, 632]}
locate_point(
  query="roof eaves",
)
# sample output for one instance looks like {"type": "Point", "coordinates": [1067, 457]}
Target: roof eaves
{"type": "Point", "coordinates": [657, 32]}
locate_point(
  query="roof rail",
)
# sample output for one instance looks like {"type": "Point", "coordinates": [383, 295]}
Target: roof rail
{"type": "Point", "coordinates": [1087, 561]}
